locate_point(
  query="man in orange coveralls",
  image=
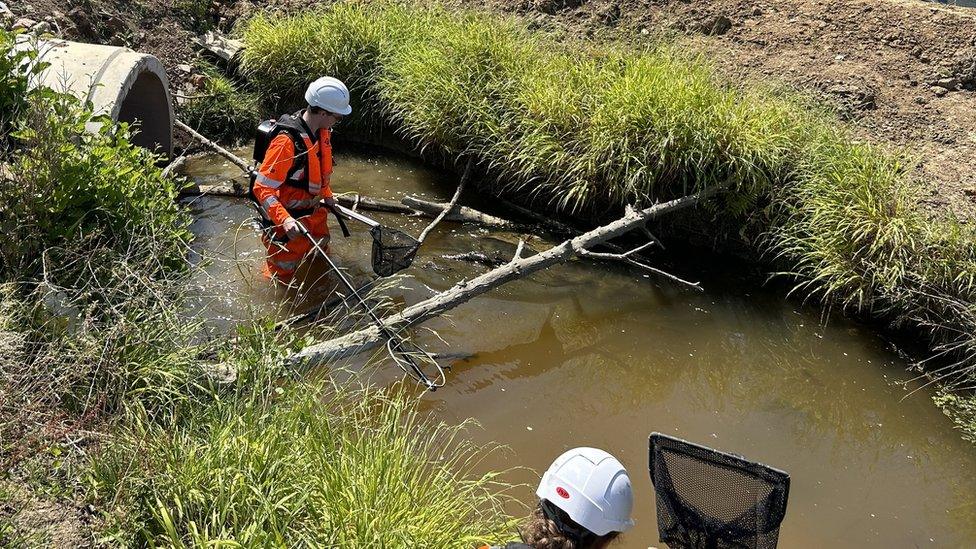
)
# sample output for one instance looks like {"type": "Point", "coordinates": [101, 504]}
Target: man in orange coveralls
{"type": "Point", "coordinates": [294, 177]}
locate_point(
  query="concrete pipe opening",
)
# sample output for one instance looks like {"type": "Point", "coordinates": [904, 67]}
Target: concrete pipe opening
{"type": "Point", "coordinates": [126, 85]}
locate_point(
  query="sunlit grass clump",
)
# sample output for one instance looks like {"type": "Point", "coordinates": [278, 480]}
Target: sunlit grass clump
{"type": "Point", "coordinates": [586, 129]}
{"type": "Point", "coordinates": [311, 466]}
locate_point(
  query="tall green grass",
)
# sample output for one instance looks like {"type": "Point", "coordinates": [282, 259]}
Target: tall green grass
{"type": "Point", "coordinates": [586, 129]}
{"type": "Point", "coordinates": [317, 466]}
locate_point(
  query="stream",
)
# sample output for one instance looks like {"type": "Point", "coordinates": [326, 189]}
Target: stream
{"type": "Point", "coordinates": [595, 354]}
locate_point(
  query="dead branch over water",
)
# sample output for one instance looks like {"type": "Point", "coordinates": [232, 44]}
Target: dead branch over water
{"type": "Point", "coordinates": [368, 338]}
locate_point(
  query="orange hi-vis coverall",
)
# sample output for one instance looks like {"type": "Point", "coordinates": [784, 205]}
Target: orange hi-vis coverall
{"type": "Point", "coordinates": [290, 183]}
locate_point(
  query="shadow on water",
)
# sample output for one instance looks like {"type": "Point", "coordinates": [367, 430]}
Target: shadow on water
{"type": "Point", "coordinates": [596, 354]}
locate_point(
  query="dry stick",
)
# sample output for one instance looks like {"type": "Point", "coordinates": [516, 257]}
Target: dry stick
{"type": "Point", "coordinates": [458, 213]}
{"type": "Point", "coordinates": [626, 258]}
{"type": "Point", "coordinates": [450, 205]}
{"type": "Point", "coordinates": [368, 338]}
{"type": "Point", "coordinates": [236, 160]}
{"type": "Point", "coordinates": [174, 166]}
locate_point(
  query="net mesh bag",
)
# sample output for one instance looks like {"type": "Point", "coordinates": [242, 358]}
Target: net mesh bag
{"type": "Point", "coordinates": [393, 250]}
{"type": "Point", "coordinates": [710, 499]}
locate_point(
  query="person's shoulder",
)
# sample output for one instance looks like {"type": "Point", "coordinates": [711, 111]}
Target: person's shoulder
{"type": "Point", "coordinates": [282, 139]}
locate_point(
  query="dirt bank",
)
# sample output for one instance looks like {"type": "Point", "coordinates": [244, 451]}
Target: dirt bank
{"type": "Point", "coordinates": [901, 72]}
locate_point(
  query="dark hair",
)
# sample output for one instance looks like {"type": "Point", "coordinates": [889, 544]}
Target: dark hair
{"type": "Point", "coordinates": [549, 527]}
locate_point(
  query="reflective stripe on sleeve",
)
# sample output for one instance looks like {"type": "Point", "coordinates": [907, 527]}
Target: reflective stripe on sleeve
{"type": "Point", "coordinates": [267, 181]}
{"type": "Point", "coordinates": [301, 204]}
{"type": "Point", "coordinates": [268, 202]}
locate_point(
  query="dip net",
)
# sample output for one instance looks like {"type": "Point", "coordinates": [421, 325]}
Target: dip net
{"type": "Point", "coordinates": [711, 499]}
{"type": "Point", "coordinates": [393, 250]}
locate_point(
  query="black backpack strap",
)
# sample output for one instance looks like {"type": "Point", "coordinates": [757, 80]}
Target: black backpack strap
{"type": "Point", "coordinates": [300, 150]}
{"type": "Point", "coordinates": [342, 224]}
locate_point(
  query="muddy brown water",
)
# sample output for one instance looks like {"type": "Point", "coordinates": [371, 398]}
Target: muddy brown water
{"type": "Point", "coordinates": [590, 354]}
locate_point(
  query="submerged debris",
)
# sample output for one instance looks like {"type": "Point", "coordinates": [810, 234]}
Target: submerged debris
{"type": "Point", "coordinates": [477, 257]}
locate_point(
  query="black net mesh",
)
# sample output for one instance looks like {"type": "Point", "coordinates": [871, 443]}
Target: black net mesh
{"type": "Point", "coordinates": [393, 250]}
{"type": "Point", "coordinates": [710, 499]}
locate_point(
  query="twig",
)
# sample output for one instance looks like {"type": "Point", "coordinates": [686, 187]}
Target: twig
{"type": "Point", "coordinates": [518, 250]}
{"type": "Point", "coordinates": [625, 258]}
{"type": "Point", "coordinates": [175, 165]}
{"type": "Point", "coordinates": [234, 159]}
{"type": "Point", "coordinates": [450, 205]}
{"type": "Point", "coordinates": [652, 238]}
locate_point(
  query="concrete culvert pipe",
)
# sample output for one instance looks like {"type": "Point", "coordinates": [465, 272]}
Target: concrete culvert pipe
{"type": "Point", "coordinates": [128, 86]}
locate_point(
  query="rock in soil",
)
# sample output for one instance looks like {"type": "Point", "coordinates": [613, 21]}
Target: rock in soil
{"type": "Point", "coordinates": [24, 23]}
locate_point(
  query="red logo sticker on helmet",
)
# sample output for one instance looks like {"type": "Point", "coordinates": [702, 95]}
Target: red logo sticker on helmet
{"type": "Point", "coordinates": [562, 492]}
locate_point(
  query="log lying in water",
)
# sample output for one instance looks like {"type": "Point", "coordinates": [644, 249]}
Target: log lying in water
{"type": "Point", "coordinates": [458, 213]}
{"type": "Point", "coordinates": [368, 338]}
{"type": "Point", "coordinates": [409, 206]}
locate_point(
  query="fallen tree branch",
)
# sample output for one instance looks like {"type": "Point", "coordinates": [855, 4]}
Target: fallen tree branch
{"type": "Point", "coordinates": [357, 201]}
{"type": "Point", "coordinates": [462, 214]}
{"type": "Point", "coordinates": [368, 338]}
{"type": "Point", "coordinates": [352, 201]}
{"type": "Point", "coordinates": [233, 158]}
{"type": "Point", "coordinates": [450, 205]}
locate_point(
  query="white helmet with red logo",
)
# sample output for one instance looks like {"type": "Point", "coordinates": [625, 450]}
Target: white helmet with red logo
{"type": "Point", "coordinates": [592, 487]}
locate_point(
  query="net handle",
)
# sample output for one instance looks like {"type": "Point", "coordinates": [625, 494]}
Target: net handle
{"type": "Point", "coordinates": [353, 214]}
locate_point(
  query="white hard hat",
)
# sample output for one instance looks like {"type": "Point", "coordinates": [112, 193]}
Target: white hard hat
{"type": "Point", "coordinates": [330, 94]}
{"type": "Point", "coordinates": [592, 487]}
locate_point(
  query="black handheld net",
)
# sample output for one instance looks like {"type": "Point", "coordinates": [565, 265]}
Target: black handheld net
{"type": "Point", "coordinates": [393, 250]}
{"type": "Point", "coordinates": [711, 499]}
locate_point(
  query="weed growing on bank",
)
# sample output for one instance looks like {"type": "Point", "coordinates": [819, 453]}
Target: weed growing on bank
{"type": "Point", "coordinates": [588, 129]}
{"type": "Point", "coordinates": [309, 464]}
{"type": "Point", "coordinates": [961, 409]}
{"type": "Point", "coordinates": [220, 110]}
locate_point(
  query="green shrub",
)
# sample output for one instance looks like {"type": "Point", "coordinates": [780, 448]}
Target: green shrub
{"type": "Point", "coordinates": [72, 189]}
{"type": "Point", "coordinates": [17, 67]}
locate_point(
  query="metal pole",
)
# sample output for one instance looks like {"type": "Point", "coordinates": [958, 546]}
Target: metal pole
{"type": "Point", "coordinates": [384, 329]}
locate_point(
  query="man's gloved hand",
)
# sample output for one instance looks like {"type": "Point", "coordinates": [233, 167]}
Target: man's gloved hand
{"type": "Point", "coordinates": [291, 228]}
{"type": "Point", "coordinates": [329, 202]}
